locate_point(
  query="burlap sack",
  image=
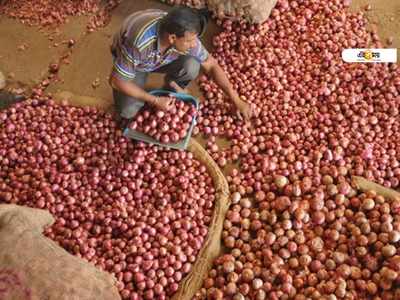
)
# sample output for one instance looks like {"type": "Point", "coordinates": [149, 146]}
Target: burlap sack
{"type": "Point", "coordinates": [212, 246]}
{"type": "Point", "coordinates": [32, 267]}
{"type": "Point", "coordinates": [256, 11]}
{"type": "Point", "coordinates": [365, 185]}
{"type": "Point", "coordinates": [2, 81]}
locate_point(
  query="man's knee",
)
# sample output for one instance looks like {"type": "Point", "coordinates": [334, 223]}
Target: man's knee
{"type": "Point", "coordinates": [191, 66]}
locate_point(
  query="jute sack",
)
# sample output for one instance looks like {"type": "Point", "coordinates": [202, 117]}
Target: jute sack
{"type": "Point", "coordinates": [32, 267]}
{"type": "Point", "coordinates": [2, 81]}
{"type": "Point", "coordinates": [365, 185]}
{"type": "Point", "coordinates": [255, 11]}
{"type": "Point", "coordinates": [212, 246]}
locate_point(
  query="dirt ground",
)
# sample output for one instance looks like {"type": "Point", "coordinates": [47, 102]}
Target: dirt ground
{"type": "Point", "coordinates": [385, 14]}
{"type": "Point", "coordinates": [26, 52]}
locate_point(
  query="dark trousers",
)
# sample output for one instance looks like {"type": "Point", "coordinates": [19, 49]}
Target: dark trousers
{"type": "Point", "coordinates": [182, 71]}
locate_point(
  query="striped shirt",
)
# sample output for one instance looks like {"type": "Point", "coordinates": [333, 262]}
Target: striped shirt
{"type": "Point", "coordinates": [136, 46]}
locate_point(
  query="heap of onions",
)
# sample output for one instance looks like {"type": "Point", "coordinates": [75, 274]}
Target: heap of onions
{"type": "Point", "coordinates": [315, 109]}
{"type": "Point", "coordinates": [165, 126]}
{"type": "Point", "coordinates": [55, 13]}
{"type": "Point", "coordinates": [325, 243]}
{"type": "Point", "coordinates": [307, 234]}
{"type": "Point", "coordinates": [137, 211]}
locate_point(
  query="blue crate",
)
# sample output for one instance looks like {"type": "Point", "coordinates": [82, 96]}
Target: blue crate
{"type": "Point", "coordinates": [181, 145]}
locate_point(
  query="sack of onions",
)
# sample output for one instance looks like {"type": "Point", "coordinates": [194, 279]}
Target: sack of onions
{"type": "Point", "coordinates": [255, 11]}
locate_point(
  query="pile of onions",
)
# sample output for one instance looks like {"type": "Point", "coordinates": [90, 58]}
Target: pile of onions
{"type": "Point", "coordinates": [165, 126]}
{"type": "Point", "coordinates": [315, 109]}
{"type": "Point", "coordinates": [55, 13]}
{"type": "Point", "coordinates": [137, 211]}
{"type": "Point", "coordinates": [329, 242]}
{"type": "Point", "coordinates": [308, 234]}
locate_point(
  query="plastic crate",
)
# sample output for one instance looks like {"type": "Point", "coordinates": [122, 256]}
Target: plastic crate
{"type": "Point", "coordinates": [181, 145]}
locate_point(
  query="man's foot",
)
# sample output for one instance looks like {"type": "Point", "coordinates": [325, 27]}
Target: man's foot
{"type": "Point", "coordinates": [7, 99]}
{"type": "Point", "coordinates": [122, 123]}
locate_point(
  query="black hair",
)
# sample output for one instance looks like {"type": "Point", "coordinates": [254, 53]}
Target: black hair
{"type": "Point", "coordinates": [184, 19]}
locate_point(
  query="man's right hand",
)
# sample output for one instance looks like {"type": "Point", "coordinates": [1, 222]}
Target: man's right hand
{"type": "Point", "coordinates": [163, 103]}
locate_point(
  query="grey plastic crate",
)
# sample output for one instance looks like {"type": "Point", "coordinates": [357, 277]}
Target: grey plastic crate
{"type": "Point", "coordinates": [181, 145]}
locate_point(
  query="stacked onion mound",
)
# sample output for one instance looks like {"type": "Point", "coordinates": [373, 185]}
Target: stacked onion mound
{"type": "Point", "coordinates": [134, 210]}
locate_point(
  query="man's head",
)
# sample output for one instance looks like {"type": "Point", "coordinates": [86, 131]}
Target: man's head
{"type": "Point", "coordinates": [181, 27]}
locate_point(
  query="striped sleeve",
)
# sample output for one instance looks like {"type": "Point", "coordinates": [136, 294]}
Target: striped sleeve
{"type": "Point", "coordinates": [199, 52]}
{"type": "Point", "coordinates": [125, 63]}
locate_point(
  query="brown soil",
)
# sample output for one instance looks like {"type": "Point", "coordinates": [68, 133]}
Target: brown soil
{"type": "Point", "coordinates": [385, 15]}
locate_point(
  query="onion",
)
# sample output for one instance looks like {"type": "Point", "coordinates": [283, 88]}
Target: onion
{"type": "Point", "coordinates": [235, 198]}
{"type": "Point", "coordinates": [388, 250]}
{"type": "Point", "coordinates": [281, 181]}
